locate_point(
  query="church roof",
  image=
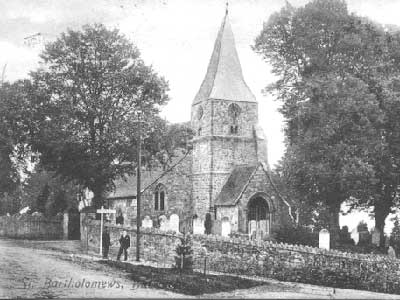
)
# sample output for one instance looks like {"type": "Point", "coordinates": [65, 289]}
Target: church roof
{"type": "Point", "coordinates": [224, 78]}
{"type": "Point", "coordinates": [235, 184]}
{"type": "Point", "coordinates": [125, 187]}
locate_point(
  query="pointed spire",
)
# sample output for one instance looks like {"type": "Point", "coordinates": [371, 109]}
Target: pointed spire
{"type": "Point", "coordinates": [224, 78]}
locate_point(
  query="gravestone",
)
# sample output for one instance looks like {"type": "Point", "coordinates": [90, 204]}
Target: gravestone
{"type": "Point", "coordinates": [147, 222]}
{"type": "Point", "coordinates": [252, 227]}
{"type": "Point", "coordinates": [365, 237]}
{"type": "Point", "coordinates": [376, 237]}
{"type": "Point", "coordinates": [225, 228]}
{"type": "Point", "coordinates": [324, 239]}
{"type": "Point", "coordinates": [391, 252]}
{"type": "Point", "coordinates": [174, 222]}
{"type": "Point", "coordinates": [198, 226]}
{"type": "Point", "coordinates": [355, 236]}
{"type": "Point", "coordinates": [163, 223]}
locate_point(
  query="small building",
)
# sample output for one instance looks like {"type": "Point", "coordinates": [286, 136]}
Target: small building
{"type": "Point", "coordinates": [226, 177]}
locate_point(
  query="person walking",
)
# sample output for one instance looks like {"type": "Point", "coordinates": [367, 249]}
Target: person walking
{"type": "Point", "coordinates": [125, 243]}
{"type": "Point", "coordinates": [105, 243]}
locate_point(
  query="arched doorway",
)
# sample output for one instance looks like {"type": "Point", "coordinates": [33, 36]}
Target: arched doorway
{"type": "Point", "coordinates": [258, 217]}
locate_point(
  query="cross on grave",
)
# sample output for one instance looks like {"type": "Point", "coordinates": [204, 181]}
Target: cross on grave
{"type": "Point", "coordinates": [103, 211]}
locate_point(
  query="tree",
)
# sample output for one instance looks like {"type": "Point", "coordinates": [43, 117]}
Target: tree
{"type": "Point", "coordinates": [184, 254]}
{"type": "Point", "coordinates": [86, 103]}
{"type": "Point", "coordinates": [326, 61]}
{"type": "Point", "coordinates": [47, 193]}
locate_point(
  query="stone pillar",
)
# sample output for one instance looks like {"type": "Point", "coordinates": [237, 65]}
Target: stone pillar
{"type": "Point", "coordinates": [65, 226]}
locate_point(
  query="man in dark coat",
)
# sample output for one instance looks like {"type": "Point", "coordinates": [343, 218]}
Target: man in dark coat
{"type": "Point", "coordinates": [125, 243]}
{"type": "Point", "coordinates": [105, 242]}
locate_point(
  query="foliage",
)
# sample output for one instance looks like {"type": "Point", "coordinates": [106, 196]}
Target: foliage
{"type": "Point", "coordinates": [395, 236]}
{"type": "Point", "coordinates": [11, 202]}
{"type": "Point", "coordinates": [9, 176]}
{"type": "Point", "coordinates": [297, 235]}
{"type": "Point", "coordinates": [332, 70]}
{"type": "Point", "coordinates": [47, 193]}
{"type": "Point", "coordinates": [193, 283]}
{"type": "Point", "coordinates": [85, 104]}
{"type": "Point", "coordinates": [184, 252]}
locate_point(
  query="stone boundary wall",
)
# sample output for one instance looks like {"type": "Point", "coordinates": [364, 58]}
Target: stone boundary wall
{"type": "Point", "coordinates": [280, 261]}
{"type": "Point", "coordinates": [32, 227]}
{"type": "Point", "coordinates": [156, 246]}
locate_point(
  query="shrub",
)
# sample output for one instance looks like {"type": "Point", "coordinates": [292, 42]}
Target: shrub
{"type": "Point", "coordinates": [297, 235]}
{"type": "Point", "coordinates": [395, 236]}
{"type": "Point", "coordinates": [208, 223]}
{"type": "Point", "coordinates": [183, 257]}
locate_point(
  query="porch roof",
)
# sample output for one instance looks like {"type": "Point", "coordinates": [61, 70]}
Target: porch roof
{"type": "Point", "coordinates": [235, 184]}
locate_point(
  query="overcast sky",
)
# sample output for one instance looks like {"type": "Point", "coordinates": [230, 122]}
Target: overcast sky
{"type": "Point", "coordinates": [175, 36]}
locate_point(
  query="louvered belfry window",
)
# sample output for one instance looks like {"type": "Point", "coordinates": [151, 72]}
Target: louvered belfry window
{"type": "Point", "coordinates": [234, 112]}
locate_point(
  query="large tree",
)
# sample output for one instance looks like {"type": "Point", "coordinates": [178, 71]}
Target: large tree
{"type": "Point", "coordinates": [86, 102]}
{"type": "Point", "coordinates": [10, 120]}
{"type": "Point", "coordinates": [329, 65]}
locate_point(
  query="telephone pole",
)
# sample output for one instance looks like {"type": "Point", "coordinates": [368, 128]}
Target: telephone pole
{"type": "Point", "coordinates": [138, 175]}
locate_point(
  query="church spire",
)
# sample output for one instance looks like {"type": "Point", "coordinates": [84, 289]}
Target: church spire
{"type": "Point", "coordinates": [224, 78]}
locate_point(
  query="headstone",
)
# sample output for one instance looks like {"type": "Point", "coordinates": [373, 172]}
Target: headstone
{"type": "Point", "coordinates": [147, 222]}
{"type": "Point", "coordinates": [225, 228]}
{"type": "Point", "coordinates": [324, 239]}
{"type": "Point", "coordinates": [355, 236]}
{"type": "Point", "coordinates": [163, 223]}
{"type": "Point", "coordinates": [252, 227]}
{"type": "Point", "coordinates": [376, 237]}
{"type": "Point", "coordinates": [391, 252]}
{"type": "Point", "coordinates": [365, 237]}
{"type": "Point", "coordinates": [262, 229]}
{"type": "Point", "coordinates": [198, 226]}
{"type": "Point", "coordinates": [174, 222]}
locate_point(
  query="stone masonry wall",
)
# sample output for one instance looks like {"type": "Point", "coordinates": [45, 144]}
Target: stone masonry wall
{"type": "Point", "coordinates": [31, 227]}
{"type": "Point", "coordinates": [267, 259]}
{"type": "Point", "coordinates": [178, 196]}
{"type": "Point", "coordinates": [178, 188]}
{"type": "Point", "coordinates": [260, 184]}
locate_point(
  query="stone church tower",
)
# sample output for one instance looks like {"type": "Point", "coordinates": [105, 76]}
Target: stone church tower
{"type": "Point", "coordinates": [224, 118]}
{"type": "Point", "coordinates": [226, 174]}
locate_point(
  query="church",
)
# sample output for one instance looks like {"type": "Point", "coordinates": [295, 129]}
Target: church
{"type": "Point", "coordinates": [225, 179]}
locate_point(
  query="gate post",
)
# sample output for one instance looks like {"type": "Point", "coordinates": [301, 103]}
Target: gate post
{"type": "Point", "coordinates": [65, 225]}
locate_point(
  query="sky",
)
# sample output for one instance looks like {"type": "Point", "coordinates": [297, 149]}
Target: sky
{"type": "Point", "coordinates": [175, 36]}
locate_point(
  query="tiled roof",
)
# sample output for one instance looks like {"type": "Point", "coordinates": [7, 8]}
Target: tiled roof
{"type": "Point", "coordinates": [235, 184]}
{"type": "Point", "coordinates": [224, 78]}
{"type": "Point", "coordinates": [126, 187]}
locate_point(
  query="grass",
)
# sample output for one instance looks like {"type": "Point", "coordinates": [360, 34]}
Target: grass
{"type": "Point", "coordinates": [188, 283]}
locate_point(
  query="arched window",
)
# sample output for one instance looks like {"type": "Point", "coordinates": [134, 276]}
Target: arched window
{"type": "Point", "coordinates": [159, 198]}
{"type": "Point", "coordinates": [199, 131]}
{"type": "Point", "coordinates": [234, 112]}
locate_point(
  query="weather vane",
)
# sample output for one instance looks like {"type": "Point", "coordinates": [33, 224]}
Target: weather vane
{"type": "Point", "coordinates": [227, 6]}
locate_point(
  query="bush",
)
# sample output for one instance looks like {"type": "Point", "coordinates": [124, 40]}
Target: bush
{"type": "Point", "coordinates": [184, 258]}
{"type": "Point", "coordinates": [297, 235]}
{"type": "Point", "coordinates": [395, 236]}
